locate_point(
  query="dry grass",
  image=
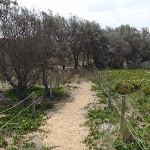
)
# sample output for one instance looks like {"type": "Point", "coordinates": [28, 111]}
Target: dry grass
{"type": "Point", "coordinates": [70, 75]}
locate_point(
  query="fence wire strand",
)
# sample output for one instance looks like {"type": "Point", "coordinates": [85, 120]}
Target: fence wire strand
{"type": "Point", "coordinates": [131, 129]}
{"type": "Point", "coordinates": [19, 102]}
{"type": "Point", "coordinates": [21, 111]}
{"type": "Point", "coordinates": [16, 104]}
{"type": "Point", "coordinates": [129, 125]}
{"type": "Point", "coordinates": [14, 117]}
{"type": "Point", "coordinates": [137, 112]}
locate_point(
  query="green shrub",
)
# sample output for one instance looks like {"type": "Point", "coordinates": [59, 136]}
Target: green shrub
{"type": "Point", "coordinates": [121, 88]}
{"type": "Point", "coordinates": [147, 91]}
{"type": "Point", "coordinates": [44, 106]}
{"type": "Point", "coordinates": [2, 78]}
{"type": "Point", "coordinates": [119, 145]}
{"type": "Point", "coordinates": [58, 93]}
{"type": "Point", "coordinates": [135, 86]}
{"type": "Point", "coordinates": [28, 145]}
{"type": "Point", "coordinates": [10, 93]}
{"type": "Point", "coordinates": [3, 143]}
{"type": "Point", "coordinates": [124, 88]}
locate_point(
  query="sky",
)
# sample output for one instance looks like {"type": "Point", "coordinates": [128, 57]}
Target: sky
{"type": "Point", "coordinates": [111, 13]}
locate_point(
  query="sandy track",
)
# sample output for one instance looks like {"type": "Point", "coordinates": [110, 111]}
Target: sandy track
{"type": "Point", "coordinates": [66, 127]}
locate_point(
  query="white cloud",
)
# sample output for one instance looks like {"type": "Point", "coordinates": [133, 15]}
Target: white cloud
{"type": "Point", "coordinates": [107, 12]}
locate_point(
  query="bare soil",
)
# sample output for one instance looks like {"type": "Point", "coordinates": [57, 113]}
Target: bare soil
{"type": "Point", "coordinates": [65, 129]}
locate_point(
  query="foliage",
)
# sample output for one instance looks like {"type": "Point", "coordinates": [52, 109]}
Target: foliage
{"type": "Point", "coordinates": [34, 43]}
{"type": "Point", "coordinates": [121, 88]}
{"type": "Point", "coordinates": [10, 93]}
{"type": "Point", "coordinates": [124, 88]}
{"type": "Point", "coordinates": [118, 144]}
{"type": "Point", "coordinates": [24, 123]}
{"type": "Point", "coordinates": [135, 84]}
{"type": "Point", "coordinates": [2, 78]}
{"type": "Point", "coordinates": [28, 145]}
{"type": "Point", "coordinates": [58, 93]}
{"type": "Point", "coordinates": [147, 91]}
{"type": "Point", "coordinates": [3, 143]}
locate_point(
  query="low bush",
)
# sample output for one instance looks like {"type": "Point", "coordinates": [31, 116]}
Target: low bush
{"type": "Point", "coordinates": [147, 91]}
{"type": "Point", "coordinates": [124, 88]}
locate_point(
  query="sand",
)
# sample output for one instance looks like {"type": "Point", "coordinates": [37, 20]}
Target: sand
{"type": "Point", "coordinates": [66, 127]}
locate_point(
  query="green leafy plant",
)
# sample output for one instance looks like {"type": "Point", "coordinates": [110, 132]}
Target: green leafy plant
{"type": "Point", "coordinates": [121, 88]}
{"type": "Point", "coordinates": [3, 143]}
{"type": "Point", "coordinates": [28, 145]}
{"type": "Point", "coordinates": [134, 83]}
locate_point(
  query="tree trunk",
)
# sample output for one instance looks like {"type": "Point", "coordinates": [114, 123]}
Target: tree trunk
{"type": "Point", "coordinates": [23, 89]}
{"type": "Point", "coordinates": [45, 83]}
{"type": "Point", "coordinates": [83, 59]}
{"type": "Point", "coordinates": [17, 89]}
{"type": "Point", "coordinates": [96, 61]}
{"type": "Point", "coordinates": [127, 62]}
{"type": "Point", "coordinates": [88, 63]}
{"type": "Point", "coordinates": [63, 67]}
{"type": "Point", "coordinates": [75, 61]}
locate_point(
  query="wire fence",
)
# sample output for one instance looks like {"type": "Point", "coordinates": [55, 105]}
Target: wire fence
{"type": "Point", "coordinates": [137, 112]}
{"type": "Point", "coordinates": [20, 111]}
{"type": "Point", "coordinates": [131, 129]}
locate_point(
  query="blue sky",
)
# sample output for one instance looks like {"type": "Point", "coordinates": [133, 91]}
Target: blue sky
{"type": "Point", "coordinates": [106, 12]}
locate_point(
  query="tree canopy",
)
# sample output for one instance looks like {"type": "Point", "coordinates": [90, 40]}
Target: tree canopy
{"type": "Point", "coordinates": [33, 43]}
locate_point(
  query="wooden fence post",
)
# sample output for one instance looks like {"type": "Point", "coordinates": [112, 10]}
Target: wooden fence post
{"type": "Point", "coordinates": [109, 95]}
{"type": "Point", "coordinates": [63, 76]}
{"type": "Point", "coordinates": [103, 84]}
{"type": "Point", "coordinates": [33, 105]}
{"type": "Point", "coordinates": [99, 80]}
{"type": "Point", "coordinates": [58, 80]}
{"type": "Point", "coordinates": [122, 111]}
{"type": "Point", "coordinates": [50, 88]}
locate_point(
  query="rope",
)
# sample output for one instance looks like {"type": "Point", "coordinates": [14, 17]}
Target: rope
{"type": "Point", "coordinates": [15, 104]}
{"type": "Point", "coordinates": [21, 111]}
{"type": "Point", "coordinates": [40, 97]}
{"type": "Point", "coordinates": [20, 102]}
{"type": "Point", "coordinates": [14, 117]}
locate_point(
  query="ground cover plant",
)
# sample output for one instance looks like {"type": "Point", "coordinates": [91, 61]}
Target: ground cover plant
{"type": "Point", "coordinates": [24, 123]}
{"type": "Point", "coordinates": [105, 123]}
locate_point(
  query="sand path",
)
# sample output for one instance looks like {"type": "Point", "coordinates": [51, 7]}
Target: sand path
{"type": "Point", "coordinates": [66, 127]}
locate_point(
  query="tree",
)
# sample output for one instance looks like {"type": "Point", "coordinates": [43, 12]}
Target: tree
{"type": "Point", "coordinates": [19, 52]}
{"type": "Point", "coordinates": [124, 46]}
{"type": "Point", "coordinates": [133, 37]}
{"type": "Point", "coordinates": [75, 38]}
{"type": "Point", "coordinates": [99, 45]}
{"type": "Point", "coordinates": [47, 45]}
{"type": "Point", "coordinates": [118, 49]}
{"type": "Point", "coordinates": [145, 44]}
{"type": "Point", "coordinates": [61, 40]}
